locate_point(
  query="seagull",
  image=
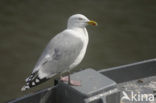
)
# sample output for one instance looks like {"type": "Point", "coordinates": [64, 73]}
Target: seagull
{"type": "Point", "coordinates": [63, 53]}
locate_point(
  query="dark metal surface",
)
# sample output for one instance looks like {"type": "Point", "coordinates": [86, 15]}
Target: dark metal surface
{"type": "Point", "coordinates": [143, 86]}
{"type": "Point", "coordinates": [96, 88]}
{"type": "Point", "coordinates": [131, 71]}
{"type": "Point", "coordinates": [43, 96]}
{"type": "Point", "coordinates": [92, 82]}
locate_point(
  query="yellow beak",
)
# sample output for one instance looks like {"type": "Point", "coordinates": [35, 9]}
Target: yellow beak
{"type": "Point", "coordinates": [91, 22]}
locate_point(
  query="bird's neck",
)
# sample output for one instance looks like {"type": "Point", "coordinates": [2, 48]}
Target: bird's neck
{"type": "Point", "coordinates": [81, 30]}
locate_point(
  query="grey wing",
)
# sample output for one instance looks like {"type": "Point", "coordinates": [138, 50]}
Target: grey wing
{"type": "Point", "coordinates": [44, 58]}
{"type": "Point", "coordinates": [61, 51]}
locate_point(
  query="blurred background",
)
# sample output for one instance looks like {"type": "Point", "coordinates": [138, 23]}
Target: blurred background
{"type": "Point", "coordinates": [126, 33]}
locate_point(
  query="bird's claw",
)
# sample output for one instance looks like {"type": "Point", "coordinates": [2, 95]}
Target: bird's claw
{"type": "Point", "coordinates": [71, 82]}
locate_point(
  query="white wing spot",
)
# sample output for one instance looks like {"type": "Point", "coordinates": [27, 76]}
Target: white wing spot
{"type": "Point", "coordinates": [37, 80]}
{"type": "Point", "coordinates": [27, 87]}
{"type": "Point", "coordinates": [33, 83]}
{"type": "Point", "coordinates": [24, 88]}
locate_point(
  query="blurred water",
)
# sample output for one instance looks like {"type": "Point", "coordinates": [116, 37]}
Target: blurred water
{"type": "Point", "coordinates": [126, 33]}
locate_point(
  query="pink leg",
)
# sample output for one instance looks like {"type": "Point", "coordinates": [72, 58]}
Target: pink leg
{"type": "Point", "coordinates": [72, 82]}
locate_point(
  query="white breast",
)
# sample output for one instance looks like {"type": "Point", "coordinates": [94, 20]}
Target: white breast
{"type": "Point", "coordinates": [84, 36]}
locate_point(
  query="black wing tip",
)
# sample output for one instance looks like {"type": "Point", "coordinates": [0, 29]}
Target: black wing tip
{"type": "Point", "coordinates": [32, 83]}
{"type": "Point", "coordinates": [24, 88]}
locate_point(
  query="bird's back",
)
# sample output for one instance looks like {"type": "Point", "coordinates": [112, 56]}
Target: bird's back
{"type": "Point", "coordinates": [60, 53]}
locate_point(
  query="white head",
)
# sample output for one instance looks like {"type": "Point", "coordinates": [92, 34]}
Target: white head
{"type": "Point", "coordinates": [79, 20]}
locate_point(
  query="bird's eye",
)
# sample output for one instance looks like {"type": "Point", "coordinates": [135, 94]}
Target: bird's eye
{"type": "Point", "coordinates": [80, 18]}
